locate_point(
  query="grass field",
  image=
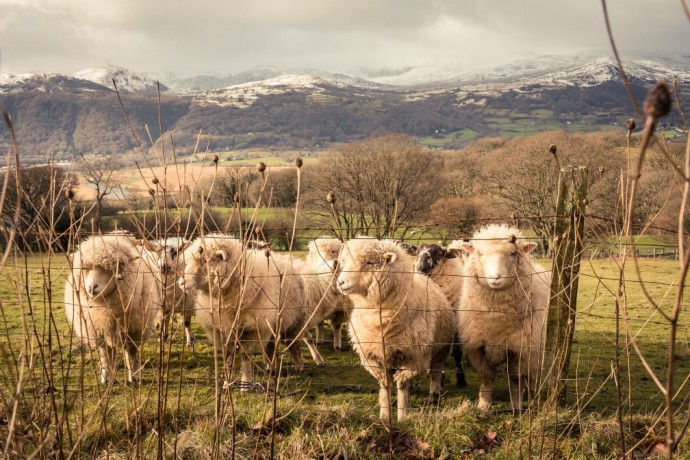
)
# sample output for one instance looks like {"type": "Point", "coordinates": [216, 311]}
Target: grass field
{"type": "Point", "coordinates": [325, 412]}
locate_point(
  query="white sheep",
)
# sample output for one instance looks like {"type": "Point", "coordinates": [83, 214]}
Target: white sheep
{"type": "Point", "coordinates": [112, 299]}
{"type": "Point", "coordinates": [246, 297]}
{"type": "Point", "coordinates": [502, 310]}
{"type": "Point", "coordinates": [322, 260]}
{"type": "Point", "coordinates": [164, 254]}
{"type": "Point", "coordinates": [445, 267]}
{"type": "Point", "coordinates": [401, 324]}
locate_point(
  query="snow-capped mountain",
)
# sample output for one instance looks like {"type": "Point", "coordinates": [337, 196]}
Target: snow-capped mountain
{"type": "Point", "coordinates": [245, 94]}
{"type": "Point", "coordinates": [46, 83]}
{"type": "Point", "coordinates": [302, 108]}
{"type": "Point", "coordinates": [580, 69]}
{"type": "Point", "coordinates": [126, 80]}
{"type": "Point", "coordinates": [206, 82]}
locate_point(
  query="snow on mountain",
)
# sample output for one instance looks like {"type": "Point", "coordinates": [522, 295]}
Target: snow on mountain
{"type": "Point", "coordinates": [585, 69]}
{"type": "Point", "coordinates": [207, 82]}
{"type": "Point", "coordinates": [44, 83]}
{"type": "Point", "coordinates": [126, 80]}
{"type": "Point", "coordinates": [245, 94]}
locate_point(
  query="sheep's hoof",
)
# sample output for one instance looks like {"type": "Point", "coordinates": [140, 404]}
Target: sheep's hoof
{"type": "Point", "coordinates": [434, 398]}
{"type": "Point", "coordinates": [484, 406]}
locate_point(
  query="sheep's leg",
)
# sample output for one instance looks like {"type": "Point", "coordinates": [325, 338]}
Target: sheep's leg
{"type": "Point", "coordinates": [309, 340]}
{"type": "Point", "coordinates": [320, 335]}
{"type": "Point", "coordinates": [337, 335]}
{"type": "Point", "coordinates": [132, 363]}
{"type": "Point", "coordinates": [515, 393]}
{"type": "Point", "coordinates": [460, 380]}
{"type": "Point", "coordinates": [477, 359]}
{"type": "Point", "coordinates": [246, 373]}
{"type": "Point", "coordinates": [189, 337]}
{"type": "Point", "coordinates": [435, 380]}
{"type": "Point", "coordinates": [106, 357]}
{"type": "Point", "coordinates": [403, 399]}
{"type": "Point", "coordinates": [337, 322]}
{"type": "Point", "coordinates": [384, 401]}
{"type": "Point", "coordinates": [296, 353]}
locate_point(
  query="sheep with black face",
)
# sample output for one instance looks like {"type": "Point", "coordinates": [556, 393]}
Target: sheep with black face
{"type": "Point", "coordinates": [444, 266]}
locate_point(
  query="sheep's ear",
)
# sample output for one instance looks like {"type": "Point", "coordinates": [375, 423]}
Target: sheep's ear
{"type": "Point", "coordinates": [411, 249]}
{"type": "Point", "coordinates": [185, 244]}
{"type": "Point", "coordinates": [148, 245]}
{"type": "Point", "coordinates": [528, 246]}
{"type": "Point", "coordinates": [467, 247]}
{"type": "Point", "coordinates": [450, 253]}
{"type": "Point", "coordinates": [312, 246]}
{"type": "Point", "coordinates": [389, 257]}
{"type": "Point", "coordinates": [221, 255]}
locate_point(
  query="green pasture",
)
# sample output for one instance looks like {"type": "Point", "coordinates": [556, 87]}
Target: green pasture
{"type": "Point", "coordinates": [331, 411]}
{"type": "Point", "coordinates": [442, 140]}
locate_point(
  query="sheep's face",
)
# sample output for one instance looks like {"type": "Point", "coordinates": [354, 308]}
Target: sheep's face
{"type": "Point", "coordinates": [325, 251]}
{"type": "Point", "coordinates": [428, 257]}
{"type": "Point", "coordinates": [208, 269]}
{"type": "Point", "coordinates": [165, 252]}
{"type": "Point", "coordinates": [496, 263]}
{"type": "Point", "coordinates": [166, 259]}
{"type": "Point", "coordinates": [364, 266]}
{"type": "Point", "coordinates": [99, 282]}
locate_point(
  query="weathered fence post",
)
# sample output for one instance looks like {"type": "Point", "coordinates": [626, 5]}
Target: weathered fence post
{"type": "Point", "coordinates": [567, 250]}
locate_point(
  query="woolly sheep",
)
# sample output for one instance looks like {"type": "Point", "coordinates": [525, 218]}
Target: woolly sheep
{"type": "Point", "coordinates": [111, 300]}
{"type": "Point", "coordinates": [401, 323]}
{"type": "Point", "coordinates": [445, 268]}
{"type": "Point", "coordinates": [246, 296]}
{"type": "Point", "coordinates": [323, 260]}
{"type": "Point", "coordinates": [502, 309]}
{"type": "Point", "coordinates": [164, 255]}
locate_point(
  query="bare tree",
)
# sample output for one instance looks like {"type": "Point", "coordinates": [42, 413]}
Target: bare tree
{"type": "Point", "coordinates": [44, 201]}
{"type": "Point", "coordinates": [382, 185]}
{"type": "Point", "coordinates": [98, 171]}
{"type": "Point", "coordinates": [523, 175]}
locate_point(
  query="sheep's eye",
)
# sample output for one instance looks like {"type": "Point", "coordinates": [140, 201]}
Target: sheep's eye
{"type": "Point", "coordinates": [513, 253]}
{"type": "Point", "coordinates": [371, 262]}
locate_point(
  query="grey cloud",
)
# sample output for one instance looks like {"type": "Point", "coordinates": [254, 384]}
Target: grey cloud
{"type": "Point", "coordinates": [210, 36]}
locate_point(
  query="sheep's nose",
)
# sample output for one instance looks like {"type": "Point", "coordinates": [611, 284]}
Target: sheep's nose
{"type": "Point", "coordinates": [341, 282]}
{"type": "Point", "coordinates": [92, 289]}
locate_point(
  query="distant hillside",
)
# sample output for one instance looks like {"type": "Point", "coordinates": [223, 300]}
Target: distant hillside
{"type": "Point", "coordinates": [446, 106]}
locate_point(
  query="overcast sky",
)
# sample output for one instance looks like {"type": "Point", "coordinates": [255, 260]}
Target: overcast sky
{"type": "Point", "coordinates": [204, 36]}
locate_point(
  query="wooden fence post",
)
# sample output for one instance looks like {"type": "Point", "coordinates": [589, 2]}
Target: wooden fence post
{"type": "Point", "coordinates": [567, 251]}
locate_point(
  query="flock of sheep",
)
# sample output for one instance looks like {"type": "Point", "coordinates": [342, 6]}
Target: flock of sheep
{"type": "Point", "coordinates": [404, 313]}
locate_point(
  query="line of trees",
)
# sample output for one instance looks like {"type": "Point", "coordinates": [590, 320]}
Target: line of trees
{"type": "Point", "coordinates": [390, 186]}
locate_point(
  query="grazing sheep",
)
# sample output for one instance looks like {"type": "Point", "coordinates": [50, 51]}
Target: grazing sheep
{"type": "Point", "coordinates": [246, 297]}
{"type": "Point", "coordinates": [502, 309]}
{"type": "Point", "coordinates": [323, 260]}
{"type": "Point", "coordinates": [401, 324]}
{"type": "Point", "coordinates": [163, 254]}
{"type": "Point", "coordinates": [445, 268]}
{"type": "Point", "coordinates": [112, 299]}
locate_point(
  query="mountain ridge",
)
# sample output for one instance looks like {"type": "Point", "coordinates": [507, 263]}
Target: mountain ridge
{"type": "Point", "coordinates": [61, 115]}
